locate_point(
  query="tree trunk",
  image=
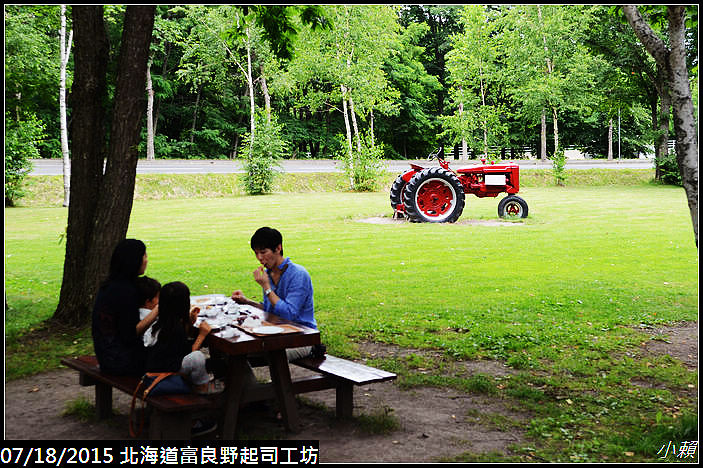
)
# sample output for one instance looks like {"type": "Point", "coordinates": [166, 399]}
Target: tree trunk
{"type": "Point", "coordinates": [149, 114]}
{"type": "Point", "coordinates": [348, 128]}
{"type": "Point", "coordinates": [373, 142]}
{"type": "Point", "coordinates": [485, 126]}
{"type": "Point", "coordinates": [195, 113]}
{"type": "Point", "coordinates": [556, 129]}
{"type": "Point", "coordinates": [673, 61]}
{"type": "Point", "coordinates": [684, 116]}
{"type": "Point", "coordinates": [550, 70]}
{"type": "Point", "coordinates": [464, 146]}
{"type": "Point", "coordinates": [662, 141]}
{"type": "Point", "coordinates": [164, 70]}
{"type": "Point", "coordinates": [65, 50]}
{"type": "Point", "coordinates": [543, 137]}
{"type": "Point", "coordinates": [610, 139]}
{"type": "Point", "coordinates": [267, 96]}
{"type": "Point", "coordinates": [352, 113]}
{"type": "Point", "coordinates": [101, 202]}
{"type": "Point", "coordinates": [252, 107]}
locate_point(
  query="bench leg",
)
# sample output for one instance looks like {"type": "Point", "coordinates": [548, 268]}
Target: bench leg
{"type": "Point", "coordinates": [103, 400]}
{"type": "Point", "coordinates": [345, 400]}
{"type": "Point", "coordinates": [169, 426]}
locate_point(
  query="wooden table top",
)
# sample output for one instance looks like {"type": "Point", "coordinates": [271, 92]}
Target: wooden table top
{"type": "Point", "coordinates": [246, 342]}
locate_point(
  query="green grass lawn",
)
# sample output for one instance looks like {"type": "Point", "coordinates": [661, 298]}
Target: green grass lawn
{"type": "Point", "coordinates": [559, 296]}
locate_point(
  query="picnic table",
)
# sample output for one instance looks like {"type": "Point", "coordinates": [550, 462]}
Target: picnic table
{"type": "Point", "coordinates": [241, 336]}
{"type": "Point", "coordinates": [269, 336]}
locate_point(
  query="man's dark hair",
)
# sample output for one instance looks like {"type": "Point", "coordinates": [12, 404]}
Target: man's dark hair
{"type": "Point", "coordinates": [148, 288]}
{"type": "Point", "coordinates": [267, 238]}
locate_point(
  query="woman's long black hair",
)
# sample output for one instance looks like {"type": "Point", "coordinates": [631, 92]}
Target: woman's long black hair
{"type": "Point", "coordinates": [126, 260]}
{"type": "Point", "coordinates": [174, 308]}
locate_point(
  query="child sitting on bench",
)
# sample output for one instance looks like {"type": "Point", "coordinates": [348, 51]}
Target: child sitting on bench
{"type": "Point", "coordinates": [149, 289]}
{"type": "Point", "coordinates": [173, 351]}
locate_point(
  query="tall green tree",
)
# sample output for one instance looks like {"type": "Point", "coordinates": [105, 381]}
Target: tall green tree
{"type": "Point", "coordinates": [550, 69]}
{"type": "Point", "coordinates": [32, 65]}
{"type": "Point", "coordinates": [411, 132]}
{"type": "Point", "coordinates": [473, 75]}
{"type": "Point", "coordinates": [625, 91]}
{"type": "Point", "coordinates": [443, 22]}
{"type": "Point", "coordinates": [343, 68]}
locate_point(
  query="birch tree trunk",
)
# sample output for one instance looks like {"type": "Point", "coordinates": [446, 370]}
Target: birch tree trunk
{"type": "Point", "coordinates": [543, 136]}
{"type": "Point", "coordinates": [464, 146]}
{"type": "Point", "coordinates": [195, 113]}
{"type": "Point", "coordinates": [373, 142]}
{"type": "Point", "coordinates": [250, 82]}
{"type": "Point", "coordinates": [685, 125]}
{"type": "Point", "coordinates": [149, 114]}
{"type": "Point", "coordinates": [267, 96]}
{"type": "Point", "coordinates": [550, 70]}
{"type": "Point", "coordinates": [485, 124]}
{"type": "Point", "coordinates": [349, 134]}
{"type": "Point", "coordinates": [65, 50]}
{"type": "Point", "coordinates": [672, 60]}
{"type": "Point", "coordinates": [356, 127]}
{"type": "Point", "coordinates": [610, 140]}
{"type": "Point", "coordinates": [556, 130]}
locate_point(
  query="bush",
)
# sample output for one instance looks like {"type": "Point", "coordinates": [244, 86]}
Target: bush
{"type": "Point", "coordinates": [22, 140]}
{"type": "Point", "coordinates": [559, 168]}
{"type": "Point", "coordinates": [668, 170]}
{"type": "Point", "coordinates": [365, 167]}
{"type": "Point", "coordinates": [261, 166]}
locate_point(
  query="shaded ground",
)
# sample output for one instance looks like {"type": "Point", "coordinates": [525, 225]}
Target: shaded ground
{"type": "Point", "coordinates": [429, 423]}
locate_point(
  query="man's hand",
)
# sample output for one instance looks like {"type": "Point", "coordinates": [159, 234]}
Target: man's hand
{"type": "Point", "coordinates": [238, 297]}
{"type": "Point", "coordinates": [261, 277]}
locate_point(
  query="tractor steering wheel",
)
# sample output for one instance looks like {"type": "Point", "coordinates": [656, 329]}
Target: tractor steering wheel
{"type": "Point", "coordinates": [439, 154]}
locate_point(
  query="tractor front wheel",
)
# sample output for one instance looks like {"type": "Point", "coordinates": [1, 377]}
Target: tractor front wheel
{"type": "Point", "coordinates": [434, 195]}
{"type": "Point", "coordinates": [512, 207]}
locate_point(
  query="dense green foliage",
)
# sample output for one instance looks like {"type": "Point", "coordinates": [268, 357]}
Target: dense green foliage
{"type": "Point", "coordinates": [415, 76]}
{"type": "Point", "coordinates": [261, 161]}
{"type": "Point", "coordinates": [668, 169]}
{"type": "Point", "coordinates": [21, 145]}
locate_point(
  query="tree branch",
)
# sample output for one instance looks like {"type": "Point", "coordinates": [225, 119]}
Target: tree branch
{"type": "Point", "coordinates": [655, 46]}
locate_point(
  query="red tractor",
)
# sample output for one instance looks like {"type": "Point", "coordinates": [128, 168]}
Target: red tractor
{"type": "Point", "coordinates": [436, 194]}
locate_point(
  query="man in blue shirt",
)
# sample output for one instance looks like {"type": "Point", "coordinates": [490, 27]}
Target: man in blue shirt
{"type": "Point", "coordinates": [287, 286]}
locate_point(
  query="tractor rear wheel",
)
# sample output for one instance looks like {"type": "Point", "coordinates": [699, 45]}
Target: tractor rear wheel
{"type": "Point", "coordinates": [513, 207]}
{"type": "Point", "coordinates": [397, 191]}
{"type": "Point", "coordinates": [434, 195]}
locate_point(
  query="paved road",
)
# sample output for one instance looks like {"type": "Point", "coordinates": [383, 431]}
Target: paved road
{"type": "Point", "coordinates": [54, 166]}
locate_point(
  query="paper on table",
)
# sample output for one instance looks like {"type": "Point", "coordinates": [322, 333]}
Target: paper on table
{"type": "Point", "coordinates": [268, 330]}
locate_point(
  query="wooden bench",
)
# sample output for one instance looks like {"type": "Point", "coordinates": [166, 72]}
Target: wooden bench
{"type": "Point", "coordinates": [343, 375]}
{"type": "Point", "coordinates": [332, 372]}
{"type": "Point", "coordinates": [171, 415]}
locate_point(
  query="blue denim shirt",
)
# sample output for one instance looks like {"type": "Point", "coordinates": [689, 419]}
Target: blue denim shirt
{"type": "Point", "coordinates": [294, 289]}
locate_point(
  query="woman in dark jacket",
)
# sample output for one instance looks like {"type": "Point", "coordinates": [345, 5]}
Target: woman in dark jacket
{"type": "Point", "coordinates": [116, 326]}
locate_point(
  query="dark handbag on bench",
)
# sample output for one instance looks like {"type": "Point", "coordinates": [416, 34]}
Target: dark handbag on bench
{"type": "Point", "coordinates": [156, 383]}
